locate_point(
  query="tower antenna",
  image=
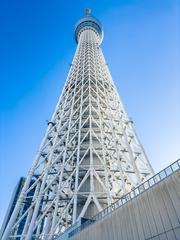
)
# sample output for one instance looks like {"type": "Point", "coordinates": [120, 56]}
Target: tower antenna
{"type": "Point", "coordinates": [88, 11]}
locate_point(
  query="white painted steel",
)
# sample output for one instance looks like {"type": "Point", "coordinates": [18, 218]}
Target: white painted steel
{"type": "Point", "coordinates": [90, 155]}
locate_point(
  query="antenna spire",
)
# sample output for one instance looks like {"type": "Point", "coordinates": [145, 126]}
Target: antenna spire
{"type": "Point", "coordinates": [88, 11]}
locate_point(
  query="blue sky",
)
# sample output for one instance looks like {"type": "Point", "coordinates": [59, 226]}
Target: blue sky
{"type": "Point", "coordinates": [141, 46]}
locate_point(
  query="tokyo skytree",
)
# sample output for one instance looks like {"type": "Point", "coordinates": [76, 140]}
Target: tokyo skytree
{"type": "Point", "coordinates": [90, 155]}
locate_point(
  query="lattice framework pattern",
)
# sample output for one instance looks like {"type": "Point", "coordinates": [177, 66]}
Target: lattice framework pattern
{"type": "Point", "coordinates": [90, 155]}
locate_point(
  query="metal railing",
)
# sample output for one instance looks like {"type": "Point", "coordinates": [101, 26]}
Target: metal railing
{"type": "Point", "coordinates": [131, 195]}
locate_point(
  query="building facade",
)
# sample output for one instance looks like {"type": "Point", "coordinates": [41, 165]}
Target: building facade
{"type": "Point", "coordinates": [26, 204]}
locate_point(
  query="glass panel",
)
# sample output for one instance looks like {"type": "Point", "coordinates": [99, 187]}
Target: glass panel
{"type": "Point", "coordinates": [141, 188]}
{"type": "Point", "coordinates": [123, 200]}
{"type": "Point", "coordinates": [136, 191]}
{"type": "Point", "coordinates": [151, 182]}
{"type": "Point", "coordinates": [120, 202]}
{"type": "Point", "coordinates": [168, 170]}
{"type": "Point", "coordinates": [162, 174]}
{"type": "Point", "coordinates": [157, 178]}
{"type": "Point", "coordinates": [146, 185]}
{"type": "Point", "coordinates": [112, 207]}
{"type": "Point", "coordinates": [116, 204]}
{"type": "Point", "coordinates": [175, 166]}
{"type": "Point", "coordinates": [132, 194]}
{"type": "Point", "coordinates": [127, 197]}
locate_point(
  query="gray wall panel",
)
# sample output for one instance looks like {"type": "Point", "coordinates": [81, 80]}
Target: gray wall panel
{"type": "Point", "coordinates": [153, 215]}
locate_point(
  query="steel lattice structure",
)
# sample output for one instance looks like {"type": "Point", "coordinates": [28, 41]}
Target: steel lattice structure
{"type": "Point", "coordinates": [90, 155]}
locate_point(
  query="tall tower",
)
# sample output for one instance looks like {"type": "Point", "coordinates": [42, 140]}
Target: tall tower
{"type": "Point", "coordinates": [90, 154]}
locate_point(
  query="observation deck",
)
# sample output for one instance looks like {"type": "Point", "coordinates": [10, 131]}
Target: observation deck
{"type": "Point", "coordinates": [88, 21]}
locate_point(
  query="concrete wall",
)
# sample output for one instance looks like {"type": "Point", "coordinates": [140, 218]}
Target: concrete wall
{"type": "Point", "coordinates": [155, 214]}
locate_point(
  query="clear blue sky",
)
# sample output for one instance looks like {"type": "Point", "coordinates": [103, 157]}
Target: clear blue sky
{"type": "Point", "coordinates": [141, 46]}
